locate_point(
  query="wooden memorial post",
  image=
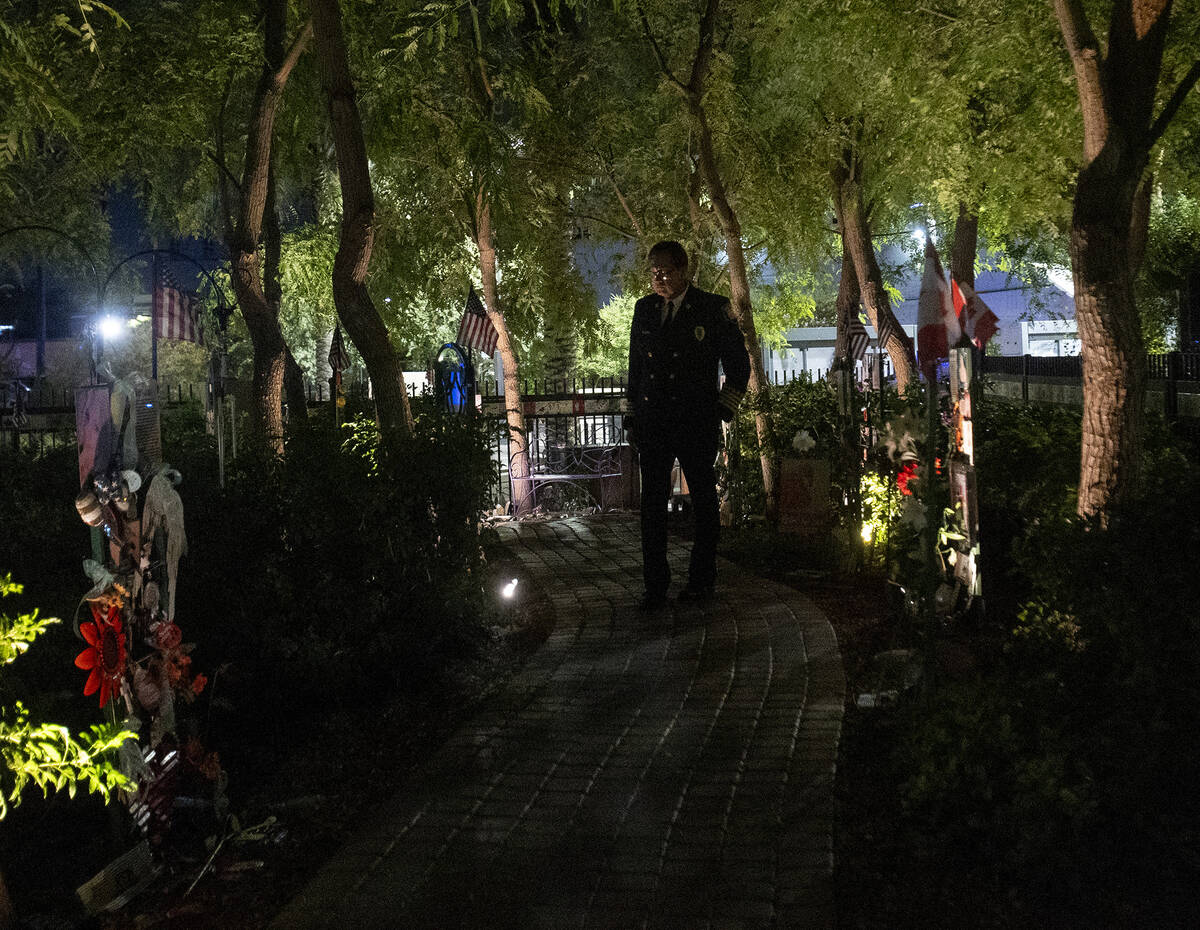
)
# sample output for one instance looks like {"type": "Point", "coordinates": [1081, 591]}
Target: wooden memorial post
{"type": "Point", "coordinates": [963, 490]}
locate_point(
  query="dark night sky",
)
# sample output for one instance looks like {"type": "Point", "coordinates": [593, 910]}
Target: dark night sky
{"type": "Point", "coordinates": [69, 299]}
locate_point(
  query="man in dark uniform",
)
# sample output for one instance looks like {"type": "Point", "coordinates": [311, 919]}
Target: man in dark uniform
{"type": "Point", "coordinates": [679, 336]}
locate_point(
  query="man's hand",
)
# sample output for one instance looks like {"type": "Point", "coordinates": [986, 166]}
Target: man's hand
{"type": "Point", "coordinates": [629, 426]}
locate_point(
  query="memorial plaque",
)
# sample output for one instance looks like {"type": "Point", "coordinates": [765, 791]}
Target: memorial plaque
{"type": "Point", "coordinates": [803, 496]}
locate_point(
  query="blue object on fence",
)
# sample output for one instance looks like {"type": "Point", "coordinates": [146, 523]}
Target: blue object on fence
{"type": "Point", "coordinates": [454, 379]}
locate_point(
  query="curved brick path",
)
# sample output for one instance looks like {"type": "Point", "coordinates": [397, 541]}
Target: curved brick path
{"type": "Point", "coordinates": [671, 772]}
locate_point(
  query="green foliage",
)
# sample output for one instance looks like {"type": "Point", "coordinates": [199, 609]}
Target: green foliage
{"type": "Point", "coordinates": [1172, 253]}
{"type": "Point", "coordinates": [1064, 756]}
{"type": "Point", "coordinates": [46, 754]}
{"type": "Point", "coordinates": [801, 404]}
{"type": "Point", "coordinates": [352, 574]}
{"type": "Point", "coordinates": [1028, 461]}
{"type": "Point", "coordinates": [607, 355]}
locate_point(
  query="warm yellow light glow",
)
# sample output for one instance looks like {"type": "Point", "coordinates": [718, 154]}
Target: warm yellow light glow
{"type": "Point", "coordinates": [867, 532]}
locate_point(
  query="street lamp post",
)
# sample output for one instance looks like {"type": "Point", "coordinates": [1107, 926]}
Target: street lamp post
{"type": "Point", "coordinates": [223, 312]}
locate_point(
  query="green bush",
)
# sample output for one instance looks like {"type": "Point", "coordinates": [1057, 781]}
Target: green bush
{"type": "Point", "coordinates": [1069, 757]}
{"type": "Point", "coordinates": [801, 404]}
{"type": "Point", "coordinates": [46, 755]}
{"type": "Point", "coordinates": [341, 573]}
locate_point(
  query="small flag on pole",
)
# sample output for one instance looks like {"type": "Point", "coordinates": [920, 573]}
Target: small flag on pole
{"type": "Point", "coordinates": [475, 331]}
{"type": "Point", "coordinates": [859, 340]}
{"type": "Point", "coordinates": [339, 358]}
{"type": "Point", "coordinates": [175, 312]}
{"type": "Point", "coordinates": [887, 329]}
{"type": "Point", "coordinates": [976, 318]}
{"type": "Point", "coordinates": [937, 324]}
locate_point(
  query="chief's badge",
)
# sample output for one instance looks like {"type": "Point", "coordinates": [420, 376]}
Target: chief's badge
{"type": "Point", "coordinates": [699, 331]}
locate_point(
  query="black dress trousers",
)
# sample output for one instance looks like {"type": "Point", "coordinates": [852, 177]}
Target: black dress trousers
{"type": "Point", "coordinates": [696, 450]}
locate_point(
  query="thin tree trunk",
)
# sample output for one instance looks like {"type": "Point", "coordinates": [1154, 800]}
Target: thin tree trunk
{"type": "Point", "coordinates": [514, 413]}
{"type": "Point", "coordinates": [293, 375]}
{"type": "Point", "coordinates": [856, 236]}
{"type": "Point", "coordinates": [518, 438]}
{"type": "Point", "coordinates": [848, 301]}
{"type": "Point", "coordinates": [350, 294]}
{"type": "Point", "coordinates": [739, 283]}
{"type": "Point", "coordinates": [270, 350]}
{"type": "Point", "coordinates": [966, 245]}
{"type": "Point", "coordinates": [739, 295]}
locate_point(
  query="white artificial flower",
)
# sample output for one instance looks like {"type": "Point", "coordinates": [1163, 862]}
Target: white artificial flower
{"type": "Point", "coordinates": [803, 442]}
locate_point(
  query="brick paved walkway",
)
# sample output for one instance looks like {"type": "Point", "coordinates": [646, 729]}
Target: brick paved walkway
{"type": "Point", "coordinates": [667, 772]}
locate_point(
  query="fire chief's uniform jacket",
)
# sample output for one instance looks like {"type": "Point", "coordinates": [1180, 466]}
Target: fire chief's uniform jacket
{"type": "Point", "coordinates": [672, 391]}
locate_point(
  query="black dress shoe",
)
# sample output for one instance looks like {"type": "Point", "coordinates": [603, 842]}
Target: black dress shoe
{"type": "Point", "coordinates": [696, 594]}
{"type": "Point", "coordinates": [653, 600]}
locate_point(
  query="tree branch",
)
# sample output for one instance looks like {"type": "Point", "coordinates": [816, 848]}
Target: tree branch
{"type": "Point", "coordinates": [293, 54]}
{"type": "Point", "coordinates": [625, 204]}
{"type": "Point", "coordinates": [658, 54]}
{"type": "Point", "coordinates": [487, 85]}
{"type": "Point", "coordinates": [1084, 49]}
{"type": "Point", "coordinates": [597, 219]}
{"type": "Point", "coordinates": [1182, 89]}
{"type": "Point", "coordinates": [1076, 30]}
{"type": "Point", "coordinates": [224, 175]}
{"type": "Point", "coordinates": [703, 59]}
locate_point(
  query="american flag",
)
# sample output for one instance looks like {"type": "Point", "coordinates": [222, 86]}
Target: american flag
{"type": "Point", "coordinates": [886, 328]}
{"type": "Point", "coordinates": [176, 313]}
{"type": "Point", "coordinates": [859, 340]}
{"type": "Point", "coordinates": [339, 358]}
{"type": "Point", "coordinates": [475, 330]}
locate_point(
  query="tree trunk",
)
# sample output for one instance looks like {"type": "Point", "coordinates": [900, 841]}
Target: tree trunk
{"type": "Point", "coordinates": [269, 349]}
{"type": "Point", "coordinates": [1117, 88]}
{"type": "Point", "coordinates": [518, 438]}
{"type": "Point", "coordinates": [848, 301]}
{"type": "Point", "coordinates": [739, 283]}
{"type": "Point", "coordinates": [966, 244]}
{"type": "Point", "coordinates": [1114, 357]}
{"type": "Point", "coordinates": [350, 294]}
{"type": "Point", "coordinates": [293, 375]}
{"type": "Point", "coordinates": [262, 321]}
{"type": "Point", "coordinates": [856, 236]}
{"type": "Point", "coordinates": [739, 295]}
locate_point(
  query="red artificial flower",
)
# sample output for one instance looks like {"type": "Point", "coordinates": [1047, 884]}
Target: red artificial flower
{"type": "Point", "coordinates": [167, 635]}
{"type": "Point", "coordinates": [907, 473]}
{"type": "Point", "coordinates": [198, 683]}
{"type": "Point", "coordinates": [104, 657]}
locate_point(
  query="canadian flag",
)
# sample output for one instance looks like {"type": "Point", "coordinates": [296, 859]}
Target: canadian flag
{"type": "Point", "coordinates": [937, 323]}
{"type": "Point", "coordinates": [976, 318]}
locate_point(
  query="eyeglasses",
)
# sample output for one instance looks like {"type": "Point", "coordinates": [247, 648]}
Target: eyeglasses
{"type": "Point", "coordinates": [661, 274]}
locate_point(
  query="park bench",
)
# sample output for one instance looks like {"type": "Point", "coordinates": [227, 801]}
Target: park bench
{"type": "Point", "coordinates": [564, 477]}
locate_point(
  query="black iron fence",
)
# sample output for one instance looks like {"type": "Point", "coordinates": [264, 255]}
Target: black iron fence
{"type": "Point", "coordinates": [568, 413]}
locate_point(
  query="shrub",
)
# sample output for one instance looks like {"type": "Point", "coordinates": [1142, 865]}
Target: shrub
{"type": "Point", "coordinates": [46, 754]}
{"type": "Point", "coordinates": [341, 573]}
{"type": "Point", "coordinates": [1070, 759]}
